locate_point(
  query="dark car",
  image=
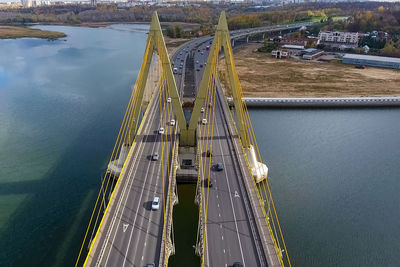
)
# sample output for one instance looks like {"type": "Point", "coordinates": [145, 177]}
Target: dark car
{"type": "Point", "coordinates": [219, 167]}
{"type": "Point", "coordinates": [207, 184]}
{"type": "Point", "coordinates": [237, 264]}
{"type": "Point", "coordinates": [209, 153]}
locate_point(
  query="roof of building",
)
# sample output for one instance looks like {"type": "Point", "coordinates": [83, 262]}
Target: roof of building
{"type": "Point", "coordinates": [376, 58]}
{"type": "Point", "coordinates": [293, 46]}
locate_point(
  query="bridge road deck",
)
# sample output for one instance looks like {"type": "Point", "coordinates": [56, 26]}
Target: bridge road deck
{"type": "Point", "coordinates": [131, 233]}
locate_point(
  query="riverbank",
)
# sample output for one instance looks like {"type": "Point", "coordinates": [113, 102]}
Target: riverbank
{"type": "Point", "coordinates": [12, 32]}
{"type": "Point", "coordinates": [318, 102]}
{"type": "Point", "coordinates": [263, 76]}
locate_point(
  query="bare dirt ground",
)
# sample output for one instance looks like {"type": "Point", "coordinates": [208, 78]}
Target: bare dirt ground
{"type": "Point", "coordinates": [263, 76]}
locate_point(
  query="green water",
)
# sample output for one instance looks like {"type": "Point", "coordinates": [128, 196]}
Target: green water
{"type": "Point", "coordinates": [186, 215]}
{"type": "Point", "coordinates": [61, 104]}
{"type": "Point", "coordinates": [334, 173]}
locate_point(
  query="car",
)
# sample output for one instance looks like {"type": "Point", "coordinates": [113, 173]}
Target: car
{"type": "Point", "coordinates": [175, 70]}
{"type": "Point", "coordinates": [155, 205]}
{"type": "Point", "coordinates": [202, 53]}
{"type": "Point", "coordinates": [198, 50]}
{"type": "Point", "coordinates": [202, 110]}
{"type": "Point", "coordinates": [161, 131]}
{"type": "Point", "coordinates": [209, 153]}
{"type": "Point", "coordinates": [197, 62]}
{"type": "Point", "coordinates": [169, 99]}
{"type": "Point", "coordinates": [155, 156]}
{"type": "Point", "coordinates": [150, 265]}
{"type": "Point", "coordinates": [208, 184]}
{"type": "Point", "coordinates": [237, 264]}
{"type": "Point", "coordinates": [204, 121]}
{"type": "Point", "coordinates": [172, 122]}
{"type": "Point", "coordinates": [201, 65]}
{"type": "Point", "coordinates": [219, 167]}
{"type": "Point", "coordinates": [198, 69]}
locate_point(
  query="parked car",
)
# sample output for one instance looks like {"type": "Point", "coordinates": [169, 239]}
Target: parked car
{"type": "Point", "coordinates": [156, 203]}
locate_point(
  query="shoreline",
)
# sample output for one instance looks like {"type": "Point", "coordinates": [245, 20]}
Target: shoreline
{"type": "Point", "coordinates": [320, 102]}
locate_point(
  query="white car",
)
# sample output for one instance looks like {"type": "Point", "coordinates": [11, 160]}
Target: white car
{"type": "Point", "coordinates": [155, 205]}
{"type": "Point", "coordinates": [202, 110]}
{"type": "Point", "coordinates": [169, 100]}
{"type": "Point", "coordinates": [172, 122]}
{"type": "Point", "coordinates": [204, 121]}
{"type": "Point", "coordinates": [161, 131]}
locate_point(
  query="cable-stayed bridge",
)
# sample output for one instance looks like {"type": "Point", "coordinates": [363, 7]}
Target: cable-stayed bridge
{"type": "Point", "coordinates": [187, 131]}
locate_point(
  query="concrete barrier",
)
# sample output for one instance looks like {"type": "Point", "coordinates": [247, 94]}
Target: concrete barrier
{"type": "Point", "coordinates": [321, 102]}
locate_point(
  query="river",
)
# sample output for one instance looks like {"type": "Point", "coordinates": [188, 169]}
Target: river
{"type": "Point", "coordinates": [334, 172]}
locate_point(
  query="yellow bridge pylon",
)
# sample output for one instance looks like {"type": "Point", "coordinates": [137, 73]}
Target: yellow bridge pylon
{"type": "Point", "coordinates": [155, 42]}
{"type": "Point", "coordinates": [221, 39]}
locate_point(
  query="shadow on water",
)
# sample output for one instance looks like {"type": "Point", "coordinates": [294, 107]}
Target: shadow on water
{"type": "Point", "coordinates": [58, 205]}
{"type": "Point", "coordinates": [185, 228]}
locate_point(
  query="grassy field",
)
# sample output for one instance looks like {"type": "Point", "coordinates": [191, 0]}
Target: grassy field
{"type": "Point", "coordinates": [11, 32]}
{"type": "Point", "coordinates": [263, 76]}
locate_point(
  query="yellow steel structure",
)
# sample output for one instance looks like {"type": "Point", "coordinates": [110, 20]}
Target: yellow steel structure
{"type": "Point", "coordinates": [155, 41]}
{"type": "Point", "coordinates": [221, 39]}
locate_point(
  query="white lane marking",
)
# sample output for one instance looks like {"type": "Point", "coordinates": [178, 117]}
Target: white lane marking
{"type": "Point", "coordinates": [108, 235]}
{"type": "Point", "coordinates": [124, 227]}
{"type": "Point", "coordinates": [156, 174]}
{"type": "Point", "coordinates": [158, 144]}
{"type": "Point", "coordinates": [230, 197]}
{"type": "Point", "coordinates": [125, 187]}
{"type": "Point", "coordinates": [236, 194]}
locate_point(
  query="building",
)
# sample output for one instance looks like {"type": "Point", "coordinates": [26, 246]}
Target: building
{"type": "Point", "coordinates": [336, 39]}
{"type": "Point", "coordinates": [280, 53]}
{"type": "Point", "coordinates": [311, 53]}
{"type": "Point", "coordinates": [374, 61]}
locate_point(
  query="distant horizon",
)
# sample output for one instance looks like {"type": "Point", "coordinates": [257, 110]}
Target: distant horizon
{"type": "Point", "coordinates": [18, 1]}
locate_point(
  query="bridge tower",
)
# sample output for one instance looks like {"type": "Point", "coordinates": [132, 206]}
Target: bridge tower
{"type": "Point", "coordinates": [221, 39]}
{"type": "Point", "coordinates": [155, 43]}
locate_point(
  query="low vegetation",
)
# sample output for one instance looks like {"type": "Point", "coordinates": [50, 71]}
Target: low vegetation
{"type": "Point", "coordinates": [8, 32]}
{"type": "Point", "coordinates": [263, 76]}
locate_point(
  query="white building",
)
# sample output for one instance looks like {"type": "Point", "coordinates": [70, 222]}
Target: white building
{"type": "Point", "coordinates": [335, 39]}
